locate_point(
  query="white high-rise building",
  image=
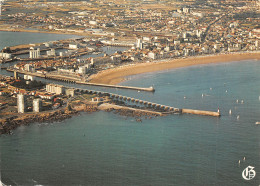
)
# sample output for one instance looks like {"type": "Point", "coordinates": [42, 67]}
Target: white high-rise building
{"type": "Point", "coordinates": [198, 33]}
{"type": "Point", "coordinates": [1, 2]}
{"type": "Point", "coordinates": [257, 44]}
{"type": "Point", "coordinates": [184, 35]}
{"type": "Point", "coordinates": [186, 10]}
{"type": "Point", "coordinates": [57, 89]}
{"type": "Point", "coordinates": [21, 103]}
{"type": "Point", "coordinates": [139, 44]}
{"type": "Point", "coordinates": [37, 105]}
{"type": "Point", "coordinates": [34, 53]}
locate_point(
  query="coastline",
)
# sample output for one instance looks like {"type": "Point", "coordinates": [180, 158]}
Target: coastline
{"type": "Point", "coordinates": [117, 75]}
{"type": "Point", "coordinates": [11, 123]}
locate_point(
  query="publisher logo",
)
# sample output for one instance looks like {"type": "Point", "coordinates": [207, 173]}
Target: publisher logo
{"type": "Point", "coordinates": [248, 173]}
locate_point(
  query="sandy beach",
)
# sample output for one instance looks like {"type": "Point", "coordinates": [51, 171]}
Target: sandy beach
{"type": "Point", "coordinates": [117, 75]}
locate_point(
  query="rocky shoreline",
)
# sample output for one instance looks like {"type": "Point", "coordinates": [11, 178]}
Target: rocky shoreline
{"type": "Point", "coordinates": [138, 115]}
{"type": "Point", "coordinates": [9, 124]}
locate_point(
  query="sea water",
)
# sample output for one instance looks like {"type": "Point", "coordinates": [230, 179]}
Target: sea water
{"type": "Point", "coordinates": [103, 148]}
{"type": "Point", "coordinates": [8, 39]}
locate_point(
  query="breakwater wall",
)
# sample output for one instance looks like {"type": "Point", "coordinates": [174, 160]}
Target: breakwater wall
{"type": "Point", "coordinates": [200, 112]}
{"type": "Point", "coordinates": [159, 108]}
{"type": "Point", "coordinates": [149, 89]}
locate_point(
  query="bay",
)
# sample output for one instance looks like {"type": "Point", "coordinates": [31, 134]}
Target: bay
{"type": "Point", "coordinates": [108, 149]}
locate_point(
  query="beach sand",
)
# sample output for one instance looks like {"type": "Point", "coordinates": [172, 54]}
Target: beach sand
{"type": "Point", "coordinates": [117, 75]}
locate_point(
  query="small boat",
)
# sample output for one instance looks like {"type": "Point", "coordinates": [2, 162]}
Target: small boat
{"type": "Point", "coordinates": [257, 123]}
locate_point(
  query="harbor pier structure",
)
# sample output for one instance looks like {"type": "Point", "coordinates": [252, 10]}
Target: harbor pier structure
{"type": "Point", "coordinates": [78, 81]}
{"type": "Point", "coordinates": [164, 109]}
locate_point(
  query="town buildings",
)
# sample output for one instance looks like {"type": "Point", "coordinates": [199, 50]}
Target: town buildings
{"type": "Point", "coordinates": [34, 53]}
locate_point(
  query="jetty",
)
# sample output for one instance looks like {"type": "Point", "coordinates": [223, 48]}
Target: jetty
{"type": "Point", "coordinates": [150, 106]}
{"type": "Point", "coordinates": [141, 103]}
{"type": "Point", "coordinates": [149, 89]}
{"type": "Point", "coordinates": [200, 112]}
{"type": "Point", "coordinates": [60, 77]}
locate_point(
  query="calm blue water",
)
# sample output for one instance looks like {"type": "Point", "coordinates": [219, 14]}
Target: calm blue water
{"type": "Point", "coordinates": [17, 38]}
{"type": "Point", "coordinates": [107, 149]}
